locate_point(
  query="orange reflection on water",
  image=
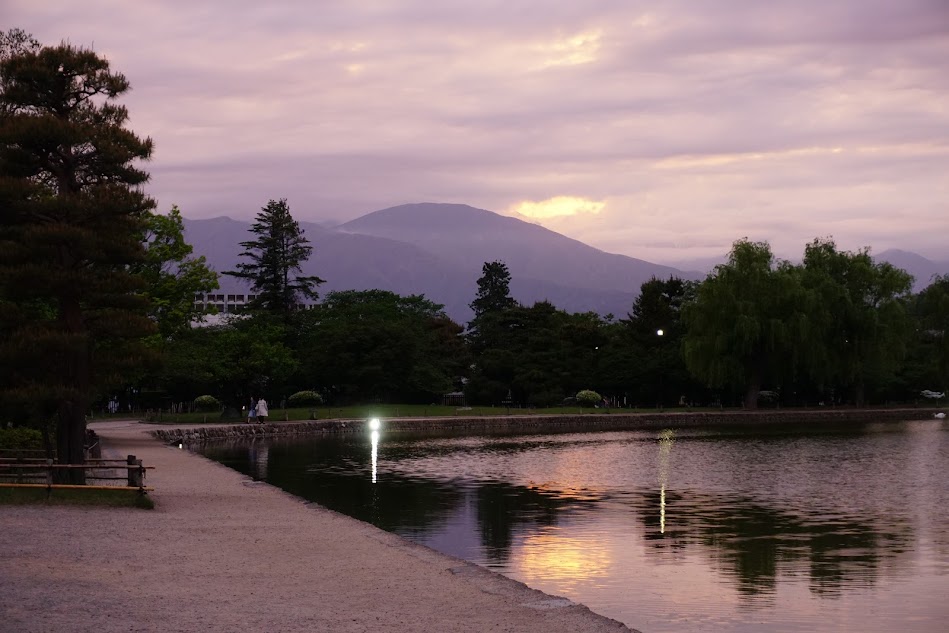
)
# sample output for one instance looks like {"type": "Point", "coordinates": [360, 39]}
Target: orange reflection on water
{"type": "Point", "coordinates": [549, 556]}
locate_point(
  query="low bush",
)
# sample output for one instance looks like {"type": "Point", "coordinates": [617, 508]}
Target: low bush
{"type": "Point", "coordinates": [18, 439]}
{"type": "Point", "coordinates": [588, 398]}
{"type": "Point", "coordinates": [305, 399]}
{"type": "Point", "coordinates": [207, 403]}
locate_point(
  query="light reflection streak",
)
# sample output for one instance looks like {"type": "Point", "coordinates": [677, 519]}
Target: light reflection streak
{"type": "Point", "coordinates": [259, 454]}
{"type": "Point", "coordinates": [666, 440]}
{"type": "Point", "coordinates": [662, 510]}
{"type": "Point", "coordinates": [374, 436]}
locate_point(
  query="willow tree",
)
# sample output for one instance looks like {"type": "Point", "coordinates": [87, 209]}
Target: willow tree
{"type": "Point", "coordinates": [932, 306]}
{"type": "Point", "coordinates": [71, 317]}
{"type": "Point", "coordinates": [274, 261]}
{"type": "Point", "coordinates": [859, 317]}
{"type": "Point", "coordinates": [743, 326]}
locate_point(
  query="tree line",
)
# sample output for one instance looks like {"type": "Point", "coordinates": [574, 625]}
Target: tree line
{"type": "Point", "coordinates": [97, 296]}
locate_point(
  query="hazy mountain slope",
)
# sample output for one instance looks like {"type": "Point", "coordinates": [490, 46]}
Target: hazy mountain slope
{"type": "Point", "coordinates": [923, 270]}
{"type": "Point", "coordinates": [345, 261]}
{"type": "Point", "coordinates": [469, 237]}
{"type": "Point", "coordinates": [361, 262]}
{"type": "Point", "coordinates": [438, 250]}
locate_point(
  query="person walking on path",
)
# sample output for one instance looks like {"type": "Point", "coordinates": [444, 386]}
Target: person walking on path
{"type": "Point", "coordinates": [252, 412]}
{"type": "Point", "coordinates": [262, 412]}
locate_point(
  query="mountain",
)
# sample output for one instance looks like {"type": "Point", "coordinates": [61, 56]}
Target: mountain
{"type": "Point", "coordinates": [469, 237]}
{"type": "Point", "coordinates": [438, 250]}
{"type": "Point", "coordinates": [345, 261]}
{"type": "Point", "coordinates": [700, 266]}
{"type": "Point", "coordinates": [923, 270]}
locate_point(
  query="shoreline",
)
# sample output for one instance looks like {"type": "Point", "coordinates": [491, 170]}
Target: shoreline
{"type": "Point", "coordinates": [188, 433]}
{"type": "Point", "coordinates": [221, 552]}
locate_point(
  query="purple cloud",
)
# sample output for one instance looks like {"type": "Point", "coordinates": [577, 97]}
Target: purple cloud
{"type": "Point", "coordinates": [693, 123]}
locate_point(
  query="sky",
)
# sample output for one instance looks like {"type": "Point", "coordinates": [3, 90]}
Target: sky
{"type": "Point", "coordinates": [664, 130]}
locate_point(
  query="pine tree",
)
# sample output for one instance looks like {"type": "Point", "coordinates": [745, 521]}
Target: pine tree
{"type": "Point", "coordinates": [275, 261]}
{"type": "Point", "coordinates": [71, 212]}
{"type": "Point", "coordinates": [494, 292]}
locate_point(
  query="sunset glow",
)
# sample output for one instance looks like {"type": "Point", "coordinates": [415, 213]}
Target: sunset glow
{"type": "Point", "coordinates": [557, 207]}
{"type": "Point", "coordinates": [573, 50]}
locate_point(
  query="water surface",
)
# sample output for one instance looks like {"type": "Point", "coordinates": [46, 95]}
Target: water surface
{"type": "Point", "coordinates": [845, 529]}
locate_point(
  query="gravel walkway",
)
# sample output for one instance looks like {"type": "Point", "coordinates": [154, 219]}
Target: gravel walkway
{"type": "Point", "coordinates": [222, 553]}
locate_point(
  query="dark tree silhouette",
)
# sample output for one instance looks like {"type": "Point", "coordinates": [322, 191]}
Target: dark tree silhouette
{"type": "Point", "coordinates": [71, 317]}
{"type": "Point", "coordinates": [494, 292]}
{"type": "Point", "coordinates": [275, 261]}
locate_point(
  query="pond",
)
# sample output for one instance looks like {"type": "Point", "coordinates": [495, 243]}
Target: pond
{"type": "Point", "coordinates": [725, 529]}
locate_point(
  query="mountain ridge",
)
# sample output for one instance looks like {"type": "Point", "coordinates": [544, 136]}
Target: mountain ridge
{"type": "Point", "coordinates": [525, 247]}
{"type": "Point", "coordinates": [441, 256]}
{"type": "Point", "coordinates": [438, 250]}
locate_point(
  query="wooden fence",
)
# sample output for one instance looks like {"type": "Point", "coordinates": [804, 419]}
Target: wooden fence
{"type": "Point", "coordinates": [23, 471]}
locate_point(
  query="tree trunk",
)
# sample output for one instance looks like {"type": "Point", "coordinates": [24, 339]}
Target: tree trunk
{"type": "Point", "coordinates": [752, 389]}
{"type": "Point", "coordinates": [71, 423]}
{"type": "Point", "coordinates": [859, 394]}
{"type": "Point", "coordinates": [70, 443]}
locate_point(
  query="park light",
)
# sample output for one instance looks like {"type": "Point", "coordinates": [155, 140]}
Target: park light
{"type": "Point", "coordinates": [659, 333]}
{"type": "Point", "coordinates": [374, 424]}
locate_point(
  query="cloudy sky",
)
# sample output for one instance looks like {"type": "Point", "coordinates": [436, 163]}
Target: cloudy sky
{"type": "Point", "coordinates": [664, 130]}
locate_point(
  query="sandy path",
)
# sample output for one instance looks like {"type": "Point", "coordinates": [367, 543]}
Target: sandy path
{"type": "Point", "coordinates": [220, 553]}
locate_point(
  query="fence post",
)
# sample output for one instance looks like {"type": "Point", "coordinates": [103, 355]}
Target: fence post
{"type": "Point", "coordinates": [135, 471]}
{"type": "Point", "coordinates": [49, 478]}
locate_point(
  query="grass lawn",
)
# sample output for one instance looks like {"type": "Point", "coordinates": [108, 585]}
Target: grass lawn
{"type": "Point", "coordinates": [75, 497]}
{"type": "Point", "coordinates": [386, 411]}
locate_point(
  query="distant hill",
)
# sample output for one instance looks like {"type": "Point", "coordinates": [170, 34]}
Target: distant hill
{"type": "Point", "coordinates": [923, 270]}
{"type": "Point", "coordinates": [438, 250]}
{"type": "Point", "coordinates": [345, 261]}
{"type": "Point", "coordinates": [469, 237]}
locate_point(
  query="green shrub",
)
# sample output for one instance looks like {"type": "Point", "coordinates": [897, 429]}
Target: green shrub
{"type": "Point", "coordinates": [21, 439]}
{"type": "Point", "coordinates": [207, 403]}
{"type": "Point", "coordinates": [305, 399]}
{"type": "Point", "coordinates": [588, 398]}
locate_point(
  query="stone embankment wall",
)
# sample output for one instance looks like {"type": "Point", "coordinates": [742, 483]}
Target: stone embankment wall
{"type": "Point", "coordinates": [553, 423]}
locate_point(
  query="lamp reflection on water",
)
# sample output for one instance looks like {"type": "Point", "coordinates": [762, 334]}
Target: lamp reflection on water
{"type": "Point", "coordinates": [666, 440]}
{"type": "Point", "coordinates": [374, 437]}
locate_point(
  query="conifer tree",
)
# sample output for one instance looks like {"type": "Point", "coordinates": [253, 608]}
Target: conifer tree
{"type": "Point", "coordinates": [71, 212]}
{"type": "Point", "coordinates": [275, 261]}
{"type": "Point", "coordinates": [494, 290]}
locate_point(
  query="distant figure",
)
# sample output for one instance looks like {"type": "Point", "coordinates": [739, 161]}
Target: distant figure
{"type": "Point", "coordinates": [262, 412]}
{"type": "Point", "coordinates": [252, 412]}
